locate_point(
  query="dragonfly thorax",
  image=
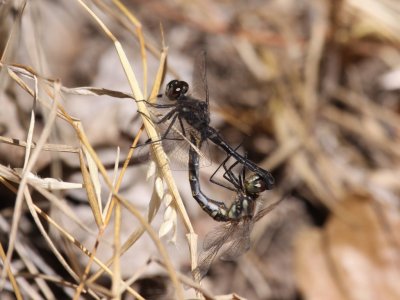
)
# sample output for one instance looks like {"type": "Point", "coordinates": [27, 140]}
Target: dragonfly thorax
{"type": "Point", "coordinates": [242, 207]}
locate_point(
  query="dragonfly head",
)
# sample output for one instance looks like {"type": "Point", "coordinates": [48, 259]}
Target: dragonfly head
{"type": "Point", "coordinates": [258, 183]}
{"type": "Point", "coordinates": [176, 89]}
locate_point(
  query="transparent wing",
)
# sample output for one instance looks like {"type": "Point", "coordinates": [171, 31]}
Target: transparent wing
{"type": "Point", "coordinates": [231, 240]}
{"type": "Point", "coordinates": [266, 209]}
{"type": "Point", "coordinates": [174, 134]}
{"type": "Point", "coordinates": [241, 236]}
{"type": "Point", "coordinates": [240, 242]}
{"type": "Point", "coordinates": [212, 244]}
{"type": "Point", "coordinates": [199, 88]}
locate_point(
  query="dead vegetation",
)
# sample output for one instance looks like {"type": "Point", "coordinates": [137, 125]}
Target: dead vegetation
{"type": "Point", "coordinates": [311, 86]}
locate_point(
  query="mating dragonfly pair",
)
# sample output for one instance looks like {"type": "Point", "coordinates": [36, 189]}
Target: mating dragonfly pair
{"type": "Point", "coordinates": [189, 117]}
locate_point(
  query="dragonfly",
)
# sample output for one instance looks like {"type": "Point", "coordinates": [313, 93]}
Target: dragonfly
{"type": "Point", "coordinates": [247, 190]}
{"type": "Point", "coordinates": [186, 116]}
{"type": "Point", "coordinates": [233, 236]}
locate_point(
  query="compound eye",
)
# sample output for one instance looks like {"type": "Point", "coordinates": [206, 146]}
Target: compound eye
{"type": "Point", "coordinates": [170, 90]}
{"type": "Point", "coordinates": [176, 89]}
{"type": "Point", "coordinates": [254, 184]}
{"type": "Point", "coordinates": [184, 87]}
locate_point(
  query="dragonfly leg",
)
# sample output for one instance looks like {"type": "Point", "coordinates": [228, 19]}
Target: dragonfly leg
{"type": "Point", "coordinates": [228, 174]}
{"type": "Point", "coordinates": [174, 117]}
{"type": "Point", "coordinates": [266, 176]}
{"type": "Point", "coordinates": [168, 116]}
{"type": "Point", "coordinates": [157, 105]}
{"type": "Point", "coordinates": [183, 128]}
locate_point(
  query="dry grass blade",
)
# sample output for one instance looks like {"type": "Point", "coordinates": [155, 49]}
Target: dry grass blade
{"type": "Point", "coordinates": [314, 86]}
{"type": "Point", "coordinates": [159, 154]}
{"type": "Point", "coordinates": [90, 191]}
{"type": "Point", "coordinates": [83, 249]}
{"type": "Point", "coordinates": [138, 26]}
{"type": "Point", "coordinates": [93, 91]}
{"type": "Point", "coordinates": [90, 167]}
{"type": "Point", "coordinates": [116, 288]}
{"type": "Point", "coordinates": [46, 147]}
{"type": "Point", "coordinates": [31, 126]}
{"type": "Point", "coordinates": [12, 37]}
{"type": "Point", "coordinates": [10, 275]}
{"type": "Point", "coordinates": [28, 257]}
{"type": "Point", "coordinates": [50, 184]}
{"type": "Point", "coordinates": [18, 202]}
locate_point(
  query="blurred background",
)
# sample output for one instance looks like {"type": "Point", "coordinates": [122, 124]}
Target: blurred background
{"type": "Point", "coordinates": [309, 88]}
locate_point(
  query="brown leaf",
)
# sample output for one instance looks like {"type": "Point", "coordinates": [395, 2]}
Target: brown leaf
{"type": "Point", "coordinates": [352, 259]}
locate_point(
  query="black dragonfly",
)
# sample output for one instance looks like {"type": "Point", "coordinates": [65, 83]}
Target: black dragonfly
{"type": "Point", "coordinates": [188, 116]}
{"type": "Point", "coordinates": [233, 236]}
